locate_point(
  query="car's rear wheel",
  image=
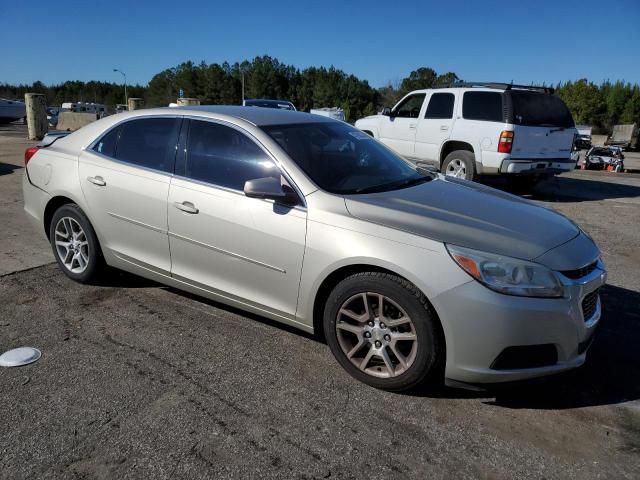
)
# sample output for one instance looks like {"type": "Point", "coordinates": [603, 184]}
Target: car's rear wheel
{"type": "Point", "coordinates": [382, 330]}
{"type": "Point", "coordinates": [460, 164]}
{"type": "Point", "coordinates": [75, 245]}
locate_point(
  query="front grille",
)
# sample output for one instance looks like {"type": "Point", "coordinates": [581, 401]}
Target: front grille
{"type": "Point", "coordinates": [580, 272]}
{"type": "Point", "coordinates": [589, 305]}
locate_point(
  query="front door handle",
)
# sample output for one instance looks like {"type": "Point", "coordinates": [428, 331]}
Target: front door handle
{"type": "Point", "coordinates": [99, 181]}
{"type": "Point", "coordinates": [187, 207]}
{"type": "Point", "coordinates": [443, 128]}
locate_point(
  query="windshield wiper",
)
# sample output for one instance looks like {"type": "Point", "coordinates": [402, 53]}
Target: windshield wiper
{"type": "Point", "coordinates": [409, 182]}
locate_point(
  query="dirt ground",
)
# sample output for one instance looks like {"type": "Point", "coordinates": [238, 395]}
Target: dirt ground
{"type": "Point", "coordinates": [142, 381]}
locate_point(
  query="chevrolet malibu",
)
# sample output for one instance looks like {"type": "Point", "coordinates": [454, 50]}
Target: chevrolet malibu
{"type": "Point", "coordinates": [410, 276]}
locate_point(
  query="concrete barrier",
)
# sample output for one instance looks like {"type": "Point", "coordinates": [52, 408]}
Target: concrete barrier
{"type": "Point", "coordinates": [188, 101]}
{"type": "Point", "coordinates": [598, 139]}
{"type": "Point", "coordinates": [71, 121]}
{"type": "Point", "coordinates": [37, 123]}
{"type": "Point", "coordinates": [135, 104]}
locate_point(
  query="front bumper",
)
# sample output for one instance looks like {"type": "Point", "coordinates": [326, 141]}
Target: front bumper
{"type": "Point", "coordinates": [480, 324]}
{"type": "Point", "coordinates": [536, 166]}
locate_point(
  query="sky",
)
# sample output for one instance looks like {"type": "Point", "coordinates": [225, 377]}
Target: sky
{"type": "Point", "coordinates": [379, 41]}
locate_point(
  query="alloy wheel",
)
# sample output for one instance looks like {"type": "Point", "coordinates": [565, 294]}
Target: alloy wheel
{"type": "Point", "coordinates": [72, 245]}
{"type": "Point", "coordinates": [456, 168]}
{"type": "Point", "coordinates": [376, 335]}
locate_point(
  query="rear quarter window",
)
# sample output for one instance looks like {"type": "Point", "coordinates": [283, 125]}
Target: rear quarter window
{"type": "Point", "coordinates": [107, 144]}
{"type": "Point", "coordinates": [538, 109]}
{"type": "Point", "coordinates": [486, 106]}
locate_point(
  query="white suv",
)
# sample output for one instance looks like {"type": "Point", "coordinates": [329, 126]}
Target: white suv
{"type": "Point", "coordinates": [480, 129]}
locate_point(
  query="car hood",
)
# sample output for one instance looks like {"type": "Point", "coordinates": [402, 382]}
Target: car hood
{"type": "Point", "coordinates": [467, 214]}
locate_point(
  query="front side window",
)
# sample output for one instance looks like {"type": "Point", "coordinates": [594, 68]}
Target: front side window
{"type": "Point", "coordinates": [440, 106]}
{"type": "Point", "coordinates": [343, 160]}
{"type": "Point", "coordinates": [485, 106]}
{"type": "Point", "coordinates": [149, 143]}
{"type": "Point", "coordinates": [410, 106]}
{"type": "Point", "coordinates": [223, 156]}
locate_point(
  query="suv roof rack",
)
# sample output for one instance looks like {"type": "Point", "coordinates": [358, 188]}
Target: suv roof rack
{"type": "Point", "coordinates": [505, 86]}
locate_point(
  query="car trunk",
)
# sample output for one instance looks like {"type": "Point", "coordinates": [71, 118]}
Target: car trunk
{"type": "Point", "coordinates": [543, 126]}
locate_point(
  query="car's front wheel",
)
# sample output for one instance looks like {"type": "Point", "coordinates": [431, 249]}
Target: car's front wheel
{"type": "Point", "coordinates": [75, 245]}
{"type": "Point", "coordinates": [382, 330]}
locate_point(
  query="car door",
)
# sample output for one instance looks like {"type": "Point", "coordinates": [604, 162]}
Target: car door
{"type": "Point", "coordinates": [398, 131]}
{"type": "Point", "coordinates": [246, 249]}
{"type": "Point", "coordinates": [125, 180]}
{"type": "Point", "coordinates": [435, 128]}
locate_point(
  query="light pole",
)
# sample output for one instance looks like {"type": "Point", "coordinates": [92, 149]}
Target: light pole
{"type": "Point", "coordinates": [126, 99]}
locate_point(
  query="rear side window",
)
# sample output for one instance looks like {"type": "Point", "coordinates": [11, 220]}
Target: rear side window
{"type": "Point", "coordinates": [440, 106]}
{"type": "Point", "coordinates": [149, 142]}
{"type": "Point", "coordinates": [410, 106]}
{"type": "Point", "coordinates": [107, 144]}
{"type": "Point", "coordinates": [486, 106]}
{"type": "Point", "coordinates": [539, 109]}
{"type": "Point", "coordinates": [223, 156]}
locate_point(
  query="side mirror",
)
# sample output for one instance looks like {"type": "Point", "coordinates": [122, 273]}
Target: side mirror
{"type": "Point", "coordinates": [386, 111]}
{"type": "Point", "coordinates": [270, 188]}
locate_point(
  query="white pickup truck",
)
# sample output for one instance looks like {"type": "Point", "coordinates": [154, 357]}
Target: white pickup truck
{"type": "Point", "coordinates": [480, 129]}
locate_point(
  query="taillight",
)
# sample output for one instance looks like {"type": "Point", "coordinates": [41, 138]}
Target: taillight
{"type": "Point", "coordinates": [506, 141]}
{"type": "Point", "coordinates": [28, 153]}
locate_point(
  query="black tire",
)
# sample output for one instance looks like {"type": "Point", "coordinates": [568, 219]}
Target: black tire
{"type": "Point", "coordinates": [428, 363]}
{"type": "Point", "coordinates": [95, 264]}
{"type": "Point", "coordinates": [465, 158]}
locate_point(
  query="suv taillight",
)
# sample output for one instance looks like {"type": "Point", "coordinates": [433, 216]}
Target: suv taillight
{"type": "Point", "coordinates": [28, 153]}
{"type": "Point", "coordinates": [506, 141]}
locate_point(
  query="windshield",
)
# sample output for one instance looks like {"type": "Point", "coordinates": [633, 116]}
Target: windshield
{"type": "Point", "coordinates": [342, 159]}
{"type": "Point", "coordinates": [537, 109]}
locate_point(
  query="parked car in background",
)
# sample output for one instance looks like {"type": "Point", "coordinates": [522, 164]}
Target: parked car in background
{"type": "Point", "coordinates": [606, 157]}
{"type": "Point", "coordinates": [583, 138]}
{"type": "Point", "coordinates": [410, 275]}
{"type": "Point", "coordinates": [52, 116]}
{"type": "Point", "coordinates": [333, 112]}
{"type": "Point", "coordinates": [265, 103]}
{"type": "Point", "coordinates": [12, 110]}
{"type": "Point", "coordinates": [480, 129]}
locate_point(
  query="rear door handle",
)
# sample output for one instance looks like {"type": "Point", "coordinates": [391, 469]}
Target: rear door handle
{"type": "Point", "coordinates": [187, 207]}
{"type": "Point", "coordinates": [99, 181]}
{"type": "Point", "coordinates": [443, 128]}
{"type": "Point", "coordinates": [412, 125]}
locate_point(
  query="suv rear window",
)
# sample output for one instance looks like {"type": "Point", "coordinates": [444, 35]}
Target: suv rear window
{"type": "Point", "coordinates": [537, 109]}
{"type": "Point", "coordinates": [486, 106]}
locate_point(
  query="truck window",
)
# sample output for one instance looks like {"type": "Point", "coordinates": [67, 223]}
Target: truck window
{"type": "Point", "coordinates": [486, 106]}
{"type": "Point", "coordinates": [410, 106]}
{"type": "Point", "coordinates": [538, 109]}
{"type": "Point", "coordinates": [440, 106]}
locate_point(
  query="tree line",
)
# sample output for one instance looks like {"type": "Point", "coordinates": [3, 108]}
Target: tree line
{"type": "Point", "coordinates": [601, 106]}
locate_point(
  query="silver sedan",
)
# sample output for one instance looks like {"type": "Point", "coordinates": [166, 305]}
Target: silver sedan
{"type": "Point", "coordinates": [410, 277]}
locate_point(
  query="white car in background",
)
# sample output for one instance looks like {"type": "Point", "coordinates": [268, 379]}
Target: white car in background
{"type": "Point", "coordinates": [480, 129]}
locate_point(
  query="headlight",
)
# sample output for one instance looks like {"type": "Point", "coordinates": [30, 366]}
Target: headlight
{"type": "Point", "coordinates": [507, 275]}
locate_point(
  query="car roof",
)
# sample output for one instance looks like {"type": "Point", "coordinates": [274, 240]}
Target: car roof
{"type": "Point", "coordinates": [256, 115]}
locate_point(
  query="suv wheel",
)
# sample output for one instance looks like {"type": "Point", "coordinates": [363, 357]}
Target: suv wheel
{"type": "Point", "coordinates": [381, 330]}
{"type": "Point", "coordinates": [75, 245]}
{"type": "Point", "coordinates": [460, 164]}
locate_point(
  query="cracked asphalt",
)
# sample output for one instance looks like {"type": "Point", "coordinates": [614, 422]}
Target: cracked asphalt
{"type": "Point", "coordinates": [138, 380]}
